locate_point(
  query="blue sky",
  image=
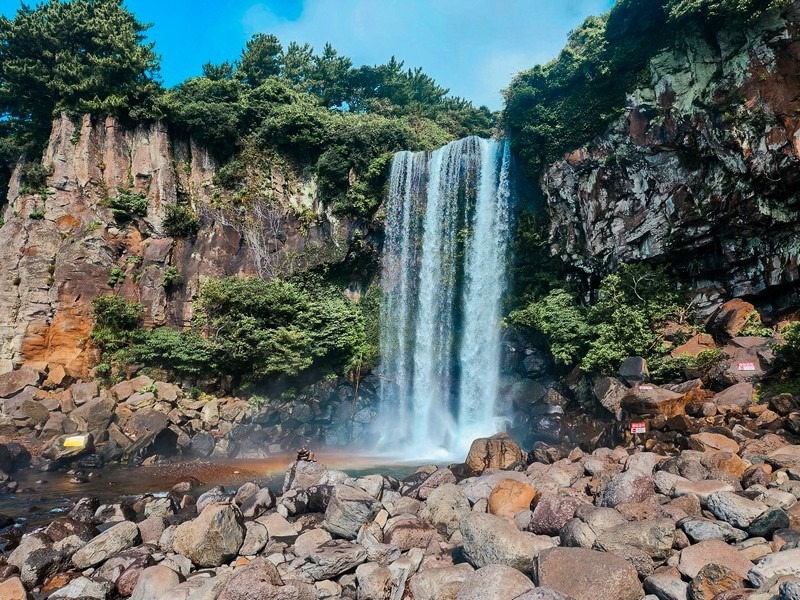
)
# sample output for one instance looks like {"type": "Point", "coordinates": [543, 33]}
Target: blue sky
{"type": "Point", "coordinates": [473, 47]}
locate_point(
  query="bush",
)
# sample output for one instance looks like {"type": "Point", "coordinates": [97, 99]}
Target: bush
{"type": "Point", "coordinates": [181, 222]}
{"type": "Point", "coordinates": [171, 276]}
{"type": "Point", "coordinates": [788, 351]}
{"type": "Point", "coordinates": [184, 352]}
{"type": "Point", "coordinates": [116, 322]}
{"type": "Point", "coordinates": [116, 277]}
{"type": "Point", "coordinates": [127, 205]}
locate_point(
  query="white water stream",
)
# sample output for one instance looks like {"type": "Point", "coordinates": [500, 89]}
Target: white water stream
{"type": "Point", "coordinates": [443, 276]}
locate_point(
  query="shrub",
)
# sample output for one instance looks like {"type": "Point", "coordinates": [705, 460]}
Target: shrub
{"type": "Point", "coordinates": [127, 205]}
{"type": "Point", "coordinates": [788, 351]}
{"type": "Point", "coordinates": [181, 222]}
{"type": "Point", "coordinates": [36, 215]}
{"type": "Point", "coordinates": [116, 322]}
{"type": "Point", "coordinates": [116, 277]}
{"type": "Point", "coordinates": [171, 276]}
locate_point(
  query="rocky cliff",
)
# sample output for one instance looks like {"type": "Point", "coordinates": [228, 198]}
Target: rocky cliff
{"type": "Point", "coordinates": [702, 171]}
{"type": "Point", "coordinates": [59, 243]}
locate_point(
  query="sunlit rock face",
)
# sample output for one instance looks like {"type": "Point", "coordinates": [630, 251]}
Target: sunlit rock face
{"type": "Point", "coordinates": [702, 170]}
{"type": "Point", "coordinates": [443, 277]}
{"type": "Point", "coordinates": [52, 264]}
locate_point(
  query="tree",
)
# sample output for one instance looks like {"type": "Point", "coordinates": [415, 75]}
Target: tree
{"type": "Point", "coordinates": [260, 59]}
{"type": "Point", "coordinates": [297, 63]}
{"type": "Point", "coordinates": [219, 71]}
{"type": "Point", "coordinates": [78, 56]}
{"type": "Point", "coordinates": [330, 77]}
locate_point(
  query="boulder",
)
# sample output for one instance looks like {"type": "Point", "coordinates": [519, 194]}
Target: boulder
{"type": "Point", "coordinates": [773, 566]}
{"type": "Point", "coordinates": [13, 382]}
{"type": "Point", "coordinates": [12, 589]}
{"type": "Point", "coordinates": [695, 557]}
{"type": "Point", "coordinates": [552, 512]}
{"type": "Point", "coordinates": [154, 582]}
{"type": "Point", "coordinates": [125, 389]}
{"type": "Point", "coordinates": [587, 574]}
{"type": "Point", "coordinates": [736, 510]}
{"type": "Point", "coordinates": [35, 557]}
{"type": "Point", "coordinates": [408, 533]}
{"type": "Point", "coordinates": [259, 503]}
{"type": "Point", "coordinates": [112, 541]}
{"type": "Point", "coordinates": [609, 393]}
{"type": "Point", "coordinates": [732, 317]}
{"type": "Point", "coordinates": [496, 452]}
{"type": "Point", "coordinates": [705, 442]}
{"type": "Point", "coordinates": [489, 539]}
{"type": "Point", "coordinates": [445, 508]}
{"type": "Point", "coordinates": [740, 395]}
{"type": "Point", "coordinates": [655, 537]}
{"type": "Point", "coordinates": [259, 579]}
{"type": "Point", "coordinates": [303, 474]}
{"type": "Point", "coordinates": [307, 542]}
{"type": "Point", "coordinates": [374, 581]}
{"type": "Point", "coordinates": [94, 416]}
{"type": "Point", "coordinates": [440, 583]}
{"type": "Point", "coordinates": [255, 538]}
{"type": "Point", "coordinates": [85, 589]}
{"type": "Point", "coordinates": [348, 509]}
{"type": "Point", "coordinates": [656, 401]}
{"type": "Point", "coordinates": [627, 487]}
{"type": "Point", "coordinates": [787, 457]}
{"type": "Point", "coordinates": [212, 538]}
{"type": "Point", "coordinates": [701, 530]}
{"type": "Point", "coordinates": [633, 370]}
{"type": "Point", "coordinates": [334, 558]}
{"type": "Point", "coordinates": [713, 580]}
{"type": "Point", "coordinates": [694, 346]}
{"type": "Point", "coordinates": [510, 497]}
{"type": "Point", "coordinates": [666, 586]}
{"type": "Point", "coordinates": [495, 581]}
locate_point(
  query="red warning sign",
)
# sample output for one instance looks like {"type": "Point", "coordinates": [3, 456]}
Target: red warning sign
{"type": "Point", "coordinates": [747, 366]}
{"type": "Point", "coordinates": [639, 427]}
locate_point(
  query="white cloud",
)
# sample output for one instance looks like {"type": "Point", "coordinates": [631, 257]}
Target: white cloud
{"type": "Point", "coordinates": [473, 47]}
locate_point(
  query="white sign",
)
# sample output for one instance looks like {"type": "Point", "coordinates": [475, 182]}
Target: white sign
{"type": "Point", "coordinates": [645, 386]}
{"type": "Point", "coordinates": [747, 366]}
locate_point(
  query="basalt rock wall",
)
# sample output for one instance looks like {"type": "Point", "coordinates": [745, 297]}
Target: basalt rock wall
{"type": "Point", "coordinates": [702, 171]}
{"type": "Point", "coordinates": [59, 243]}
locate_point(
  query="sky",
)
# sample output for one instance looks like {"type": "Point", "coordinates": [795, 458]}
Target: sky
{"type": "Point", "coordinates": [472, 47]}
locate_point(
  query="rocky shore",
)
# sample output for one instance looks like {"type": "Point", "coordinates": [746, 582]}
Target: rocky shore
{"type": "Point", "coordinates": [719, 518]}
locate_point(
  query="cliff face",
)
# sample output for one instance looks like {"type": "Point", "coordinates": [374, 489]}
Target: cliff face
{"type": "Point", "coordinates": [59, 244]}
{"type": "Point", "coordinates": [702, 171]}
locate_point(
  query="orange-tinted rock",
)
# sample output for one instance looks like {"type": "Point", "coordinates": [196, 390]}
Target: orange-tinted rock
{"type": "Point", "coordinates": [733, 316]}
{"type": "Point", "coordinates": [496, 452]}
{"type": "Point", "coordinates": [657, 401]}
{"type": "Point", "coordinates": [695, 346]}
{"type": "Point", "coordinates": [509, 497]}
{"type": "Point", "coordinates": [713, 580]}
{"type": "Point", "coordinates": [712, 441]}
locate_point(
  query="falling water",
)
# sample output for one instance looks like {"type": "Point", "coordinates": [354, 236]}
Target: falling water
{"type": "Point", "coordinates": [443, 278]}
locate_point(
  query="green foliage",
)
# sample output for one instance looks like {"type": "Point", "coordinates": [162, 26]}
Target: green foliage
{"type": "Point", "coordinates": [788, 351]}
{"type": "Point", "coordinates": [184, 352]}
{"type": "Point", "coordinates": [93, 225]}
{"type": "Point", "coordinates": [632, 304]}
{"type": "Point", "coordinates": [116, 322]}
{"type": "Point", "coordinates": [171, 276]}
{"type": "Point", "coordinates": [181, 221]}
{"type": "Point", "coordinates": [33, 178]}
{"type": "Point", "coordinates": [76, 57]}
{"type": "Point", "coordinates": [116, 277]}
{"type": "Point", "coordinates": [562, 320]}
{"type": "Point", "coordinates": [668, 368]}
{"type": "Point", "coordinates": [562, 105]}
{"type": "Point", "coordinates": [754, 327]}
{"type": "Point", "coordinates": [127, 205]}
{"type": "Point", "coordinates": [36, 215]}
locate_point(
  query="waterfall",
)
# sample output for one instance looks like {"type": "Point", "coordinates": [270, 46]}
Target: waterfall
{"type": "Point", "coordinates": [443, 277]}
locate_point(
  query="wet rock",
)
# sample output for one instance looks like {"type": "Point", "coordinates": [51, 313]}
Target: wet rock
{"type": "Point", "coordinates": [496, 581]}
{"type": "Point", "coordinates": [348, 509]}
{"type": "Point", "coordinates": [107, 544]}
{"type": "Point", "coordinates": [489, 539]}
{"type": "Point", "coordinates": [496, 452]}
{"type": "Point", "coordinates": [587, 574]}
{"type": "Point", "coordinates": [212, 538]}
{"type": "Point", "coordinates": [202, 444]}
